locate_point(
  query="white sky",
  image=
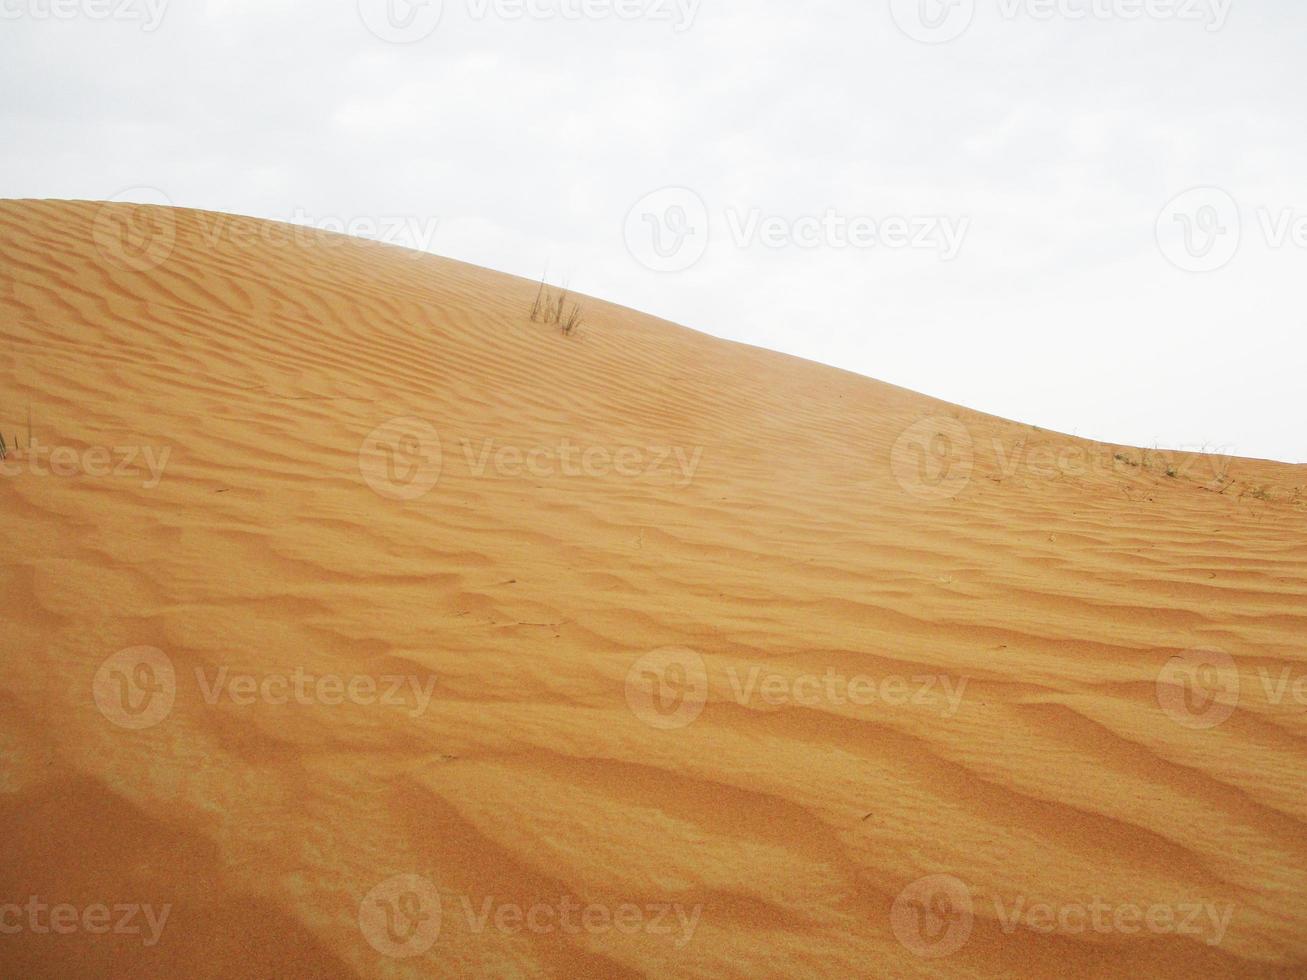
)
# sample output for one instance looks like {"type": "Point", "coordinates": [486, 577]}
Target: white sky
{"type": "Point", "coordinates": [1048, 138]}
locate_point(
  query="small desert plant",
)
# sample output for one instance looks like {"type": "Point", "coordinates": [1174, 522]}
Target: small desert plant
{"type": "Point", "coordinates": [541, 299]}
{"type": "Point", "coordinates": [573, 320]}
{"type": "Point", "coordinates": [6, 448]}
{"type": "Point", "coordinates": [550, 309]}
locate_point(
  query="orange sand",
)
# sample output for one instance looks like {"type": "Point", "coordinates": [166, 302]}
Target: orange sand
{"type": "Point", "coordinates": [900, 640]}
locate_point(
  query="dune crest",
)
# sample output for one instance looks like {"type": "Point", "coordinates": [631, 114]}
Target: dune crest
{"type": "Point", "coordinates": [372, 629]}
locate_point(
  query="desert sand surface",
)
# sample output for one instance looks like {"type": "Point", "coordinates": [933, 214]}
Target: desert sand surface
{"type": "Point", "coordinates": [356, 625]}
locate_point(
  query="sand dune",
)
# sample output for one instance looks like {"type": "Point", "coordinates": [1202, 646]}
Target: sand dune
{"type": "Point", "coordinates": [355, 625]}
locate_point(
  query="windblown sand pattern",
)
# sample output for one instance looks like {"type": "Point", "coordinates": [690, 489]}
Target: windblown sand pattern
{"type": "Point", "coordinates": [703, 657]}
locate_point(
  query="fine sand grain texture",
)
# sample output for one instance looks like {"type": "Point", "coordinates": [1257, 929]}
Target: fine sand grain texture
{"type": "Point", "coordinates": [356, 625]}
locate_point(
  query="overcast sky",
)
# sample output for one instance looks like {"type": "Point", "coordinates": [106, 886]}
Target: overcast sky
{"type": "Point", "coordinates": [991, 201]}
